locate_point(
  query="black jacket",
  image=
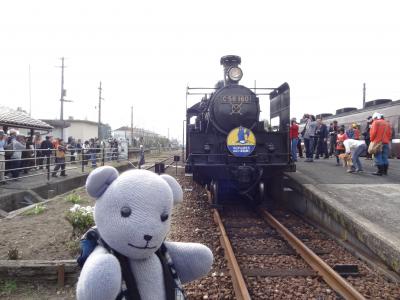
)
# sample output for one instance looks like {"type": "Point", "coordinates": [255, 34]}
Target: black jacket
{"type": "Point", "coordinates": [47, 146]}
{"type": "Point", "coordinates": [322, 132]}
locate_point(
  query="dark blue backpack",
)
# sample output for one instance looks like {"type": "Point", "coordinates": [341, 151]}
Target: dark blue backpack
{"type": "Point", "coordinates": [88, 243]}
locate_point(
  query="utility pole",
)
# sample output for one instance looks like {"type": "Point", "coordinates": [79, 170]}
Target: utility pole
{"type": "Point", "coordinates": [364, 94]}
{"type": "Point", "coordinates": [62, 97]}
{"type": "Point", "coordinates": [99, 124]}
{"type": "Point", "coordinates": [131, 126]}
{"type": "Point", "coordinates": [30, 92]}
{"type": "Point", "coordinates": [63, 94]}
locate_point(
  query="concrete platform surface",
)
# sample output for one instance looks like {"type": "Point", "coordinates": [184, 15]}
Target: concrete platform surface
{"type": "Point", "coordinates": [368, 206]}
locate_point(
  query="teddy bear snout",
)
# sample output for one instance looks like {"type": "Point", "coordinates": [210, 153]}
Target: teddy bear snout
{"type": "Point", "coordinates": [147, 237]}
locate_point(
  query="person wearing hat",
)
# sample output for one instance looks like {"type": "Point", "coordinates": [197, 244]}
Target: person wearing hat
{"type": "Point", "coordinates": [60, 159]}
{"type": "Point", "coordinates": [322, 142]}
{"type": "Point", "coordinates": [15, 160]}
{"type": "Point", "coordinates": [381, 132]}
{"type": "Point", "coordinates": [333, 131]}
{"type": "Point", "coordinates": [309, 134]}
{"type": "Point", "coordinates": [37, 142]}
{"type": "Point", "coordinates": [294, 138]}
{"type": "Point", "coordinates": [340, 138]}
{"type": "Point", "coordinates": [141, 156]}
{"type": "Point", "coordinates": [367, 136]}
{"type": "Point", "coordinates": [47, 147]}
{"type": "Point", "coordinates": [356, 131]}
{"type": "Point", "coordinates": [3, 142]}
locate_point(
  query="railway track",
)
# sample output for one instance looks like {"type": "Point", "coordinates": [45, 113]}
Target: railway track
{"type": "Point", "coordinates": [263, 254]}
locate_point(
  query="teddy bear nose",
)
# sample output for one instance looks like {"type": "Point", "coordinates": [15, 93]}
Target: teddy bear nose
{"type": "Point", "coordinates": [147, 237]}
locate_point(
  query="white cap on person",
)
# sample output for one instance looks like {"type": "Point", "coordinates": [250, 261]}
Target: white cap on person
{"type": "Point", "coordinates": [376, 115]}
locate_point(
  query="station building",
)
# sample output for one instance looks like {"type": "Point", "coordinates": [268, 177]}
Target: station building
{"type": "Point", "coordinates": [79, 129]}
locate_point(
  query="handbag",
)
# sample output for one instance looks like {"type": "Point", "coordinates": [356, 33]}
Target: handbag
{"type": "Point", "coordinates": [375, 147]}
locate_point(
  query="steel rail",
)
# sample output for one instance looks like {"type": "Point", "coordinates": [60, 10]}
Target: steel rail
{"type": "Point", "coordinates": [238, 282]}
{"type": "Point", "coordinates": [333, 279]}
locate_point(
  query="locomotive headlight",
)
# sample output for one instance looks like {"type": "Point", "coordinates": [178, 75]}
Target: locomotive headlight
{"type": "Point", "coordinates": [235, 73]}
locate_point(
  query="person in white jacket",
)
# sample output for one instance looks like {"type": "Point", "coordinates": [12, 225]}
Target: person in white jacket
{"type": "Point", "coordinates": [355, 148]}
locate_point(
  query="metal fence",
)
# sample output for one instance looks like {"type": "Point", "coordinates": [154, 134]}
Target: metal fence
{"type": "Point", "coordinates": [18, 164]}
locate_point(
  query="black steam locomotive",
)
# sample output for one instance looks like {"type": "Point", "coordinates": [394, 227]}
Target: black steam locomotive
{"type": "Point", "coordinates": [228, 148]}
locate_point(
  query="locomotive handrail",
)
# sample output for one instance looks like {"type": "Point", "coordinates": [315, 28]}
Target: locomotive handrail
{"type": "Point", "coordinates": [202, 88]}
{"type": "Point", "coordinates": [215, 88]}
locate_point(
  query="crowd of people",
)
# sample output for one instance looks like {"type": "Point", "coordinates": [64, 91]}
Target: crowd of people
{"type": "Point", "coordinates": [19, 153]}
{"type": "Point", "coordinates": [348, 144]}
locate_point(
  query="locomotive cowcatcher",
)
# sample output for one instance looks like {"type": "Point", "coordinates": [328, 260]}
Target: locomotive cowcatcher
{"type": "Point", "coordinates": [228, 148]}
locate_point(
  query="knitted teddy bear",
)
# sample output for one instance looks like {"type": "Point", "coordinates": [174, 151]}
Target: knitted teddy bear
{"type": "Point", "coordinates": [133, 216]}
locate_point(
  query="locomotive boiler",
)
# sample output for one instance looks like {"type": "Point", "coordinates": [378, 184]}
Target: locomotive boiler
{"type": "Point", "coordinates": [228, 148]}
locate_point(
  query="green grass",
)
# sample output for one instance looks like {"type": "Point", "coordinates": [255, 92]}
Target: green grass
{"type": "Point", "coordinates": [73, 246]}
{"type": "Point", "coordinates": [7, 287]}
{"type": "Point", "coordinates": [13, 253]}
{"type": "Point", "coordinates": [36, 210]}
{"type": "Point", "coordinates": [74, 198]}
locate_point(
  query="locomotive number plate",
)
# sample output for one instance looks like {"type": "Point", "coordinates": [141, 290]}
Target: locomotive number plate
{"type": "Point", "coordinates": [236, 99]}
{"type": "Point", "coordinates": [241, 141]}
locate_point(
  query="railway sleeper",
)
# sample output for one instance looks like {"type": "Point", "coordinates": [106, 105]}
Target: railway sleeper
{"type": "Point", "coordinates": [261, 272]}
{"type": "Point", "coordinates": [347, 269]}
{"type": "Point", "coordinates": [273, 251]}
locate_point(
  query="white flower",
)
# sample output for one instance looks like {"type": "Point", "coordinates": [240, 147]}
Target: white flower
{"type": "Point", "coordinates": [75, 208]}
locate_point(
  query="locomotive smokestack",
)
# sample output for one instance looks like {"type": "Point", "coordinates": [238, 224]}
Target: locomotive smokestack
{"type": "Point", "coordinates": [232, 73]}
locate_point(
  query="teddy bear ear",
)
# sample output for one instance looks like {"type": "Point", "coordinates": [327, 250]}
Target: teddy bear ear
{"type": "Point", "coordinates": [175, 187]}
{"type": "Point", "coordinates": [99, 180]}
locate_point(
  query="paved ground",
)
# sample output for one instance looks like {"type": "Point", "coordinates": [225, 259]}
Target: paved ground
{"type": "Point", "coordinates": [326, 171]}
{"type": "Point", "coordinates": [369, 203]}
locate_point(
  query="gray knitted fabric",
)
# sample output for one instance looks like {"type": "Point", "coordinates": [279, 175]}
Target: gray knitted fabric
{"type": "Point", "coordinates": [133, 216]}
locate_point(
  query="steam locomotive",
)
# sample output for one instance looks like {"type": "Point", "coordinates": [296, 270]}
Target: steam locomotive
{"type": "Point", "coordinates": [228, 148]}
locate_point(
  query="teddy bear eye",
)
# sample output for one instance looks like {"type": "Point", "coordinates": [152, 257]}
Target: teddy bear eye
{"type": "Point", "coordinates": [164, 217]}
{"type": "Point", "coordinates": [125, 211]}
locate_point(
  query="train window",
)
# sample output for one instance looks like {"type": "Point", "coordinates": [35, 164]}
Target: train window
{"type": "Point", "coordinates": [275, 122]}
{"type": "Point", "coordinates": [192, 120]}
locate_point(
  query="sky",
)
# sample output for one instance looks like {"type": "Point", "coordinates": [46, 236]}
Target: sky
{"type": "Point", "coordinates": [145, 53]}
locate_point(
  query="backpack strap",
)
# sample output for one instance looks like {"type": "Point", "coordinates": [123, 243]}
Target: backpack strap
{"type": "Point", "coordinates": [173, 286]}
{"type": "Point", "coordinates": [132, 292]}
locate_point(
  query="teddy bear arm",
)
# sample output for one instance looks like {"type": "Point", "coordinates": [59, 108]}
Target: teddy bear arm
{"type": "Point", "coordinates": [100, 277]}
{"type": "Point", "coordinates": [191, 260]}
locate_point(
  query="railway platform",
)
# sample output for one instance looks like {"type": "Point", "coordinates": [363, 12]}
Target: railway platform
{"type": "Point", "coordinates": [360, 207]}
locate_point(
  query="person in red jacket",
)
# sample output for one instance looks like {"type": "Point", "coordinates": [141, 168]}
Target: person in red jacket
{"type": "Point", "coordinates": [381, 131]}
{"type": "Point", "coordinates": [356, 131]}
{"type": "Point", "coordinates": [294, 138]}
{"type": "Point", "coordinates": [341, 137]}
